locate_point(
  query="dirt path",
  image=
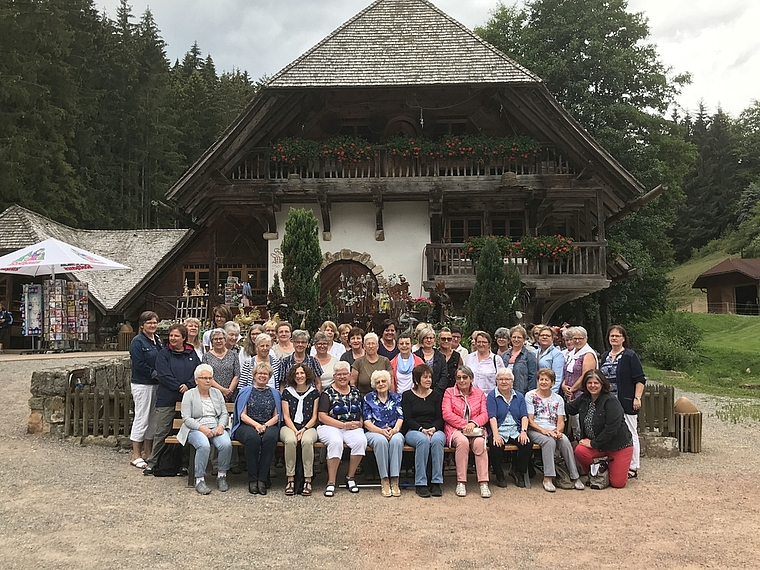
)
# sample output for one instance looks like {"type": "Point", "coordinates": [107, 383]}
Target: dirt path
{"type": "Point", "coordinates": [67, 506]}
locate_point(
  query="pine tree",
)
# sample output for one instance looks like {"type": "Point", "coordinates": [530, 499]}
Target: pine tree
{"type": "Point", "coordinates": [495, 294]}
{"type": "Point", "coordinates": [275, 298]}
{"type": "Point", "coordinates": [302, 260]}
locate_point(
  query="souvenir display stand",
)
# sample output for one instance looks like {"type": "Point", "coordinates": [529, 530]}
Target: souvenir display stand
{"type": "Point", "coordinates": [65, 316]}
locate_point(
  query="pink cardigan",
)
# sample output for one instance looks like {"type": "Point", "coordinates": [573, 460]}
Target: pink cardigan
{"type": "Point", "coordinates": [453, 409]}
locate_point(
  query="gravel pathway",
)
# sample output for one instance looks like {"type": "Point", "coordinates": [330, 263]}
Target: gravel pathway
{"type": "Point", "coordinates": [68, 506]}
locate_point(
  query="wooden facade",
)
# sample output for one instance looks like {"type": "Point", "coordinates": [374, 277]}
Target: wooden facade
{"type": "Point", "coordinates": [732, 286]}
{"type": "Point", "coordinates": [454, 85]}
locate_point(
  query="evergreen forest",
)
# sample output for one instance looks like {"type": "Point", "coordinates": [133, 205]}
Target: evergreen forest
{"type": "Point", "coordinates": [97, 124]}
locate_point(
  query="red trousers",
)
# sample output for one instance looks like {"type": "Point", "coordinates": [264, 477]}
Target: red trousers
{"type": "Point", "coordinates": [620, 461]}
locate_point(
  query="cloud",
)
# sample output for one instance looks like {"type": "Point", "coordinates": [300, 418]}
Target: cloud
{"type": "Point", "coordinates": [715, 41]}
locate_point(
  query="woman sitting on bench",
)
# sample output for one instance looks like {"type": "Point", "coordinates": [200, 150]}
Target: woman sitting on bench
{"type": "Point", "coordinates": [299, 414]}
{"type": "Point", "coordinates": [204, 422]}
{"type": "Point", "coordinates": [257, 426]}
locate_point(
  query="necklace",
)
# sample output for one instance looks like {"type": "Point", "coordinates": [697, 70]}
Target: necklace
{"type": "Point", "coordinates": [427, 393]}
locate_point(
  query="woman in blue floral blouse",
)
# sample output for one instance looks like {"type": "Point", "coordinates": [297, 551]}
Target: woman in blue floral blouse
{"type": "Point", "coordinates": [383, 418]}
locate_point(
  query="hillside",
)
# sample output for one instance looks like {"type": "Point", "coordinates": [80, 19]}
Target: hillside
{"type": "Point", "coordinates": [728, 360]}
{"type": "Point", "coordinates": [681, 294]}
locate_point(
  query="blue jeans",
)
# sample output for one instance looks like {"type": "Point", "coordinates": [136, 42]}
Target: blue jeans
{"type": "Point", "coordinates": [202, 446]}
{"type": "Point", "coordinates": [424, 448]}
{"type": "Point", "coordinates": [386, 452]}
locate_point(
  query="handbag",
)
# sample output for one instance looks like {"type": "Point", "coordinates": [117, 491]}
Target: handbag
{"type": "Point", "coordinates": [599, 473]}
{"type": "Point", "coordinates": [476, 432]}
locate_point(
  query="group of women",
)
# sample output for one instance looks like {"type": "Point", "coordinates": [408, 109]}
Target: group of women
{"type": "Point", "coordinates": [358, 390]}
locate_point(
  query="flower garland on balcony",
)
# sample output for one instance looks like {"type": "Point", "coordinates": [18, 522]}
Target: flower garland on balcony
{"type": "Point", "coordinates": [545, 247]}
{"type": "Point", "coordinates": [533, 248]}
{"type": "Point", "coordinates": [343, 149]}
{"type": "Point", "coordinates": [348, 149]}
{"type": "Point", "coordinates": [479, 148]}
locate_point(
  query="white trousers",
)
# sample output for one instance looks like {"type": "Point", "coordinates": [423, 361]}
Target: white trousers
{"type": "Point", "coordinates": [632, 421]}
{"type": "Point", "coordinates": [334, 438]}
{"type": "Point", "coordinates": [144, 424]}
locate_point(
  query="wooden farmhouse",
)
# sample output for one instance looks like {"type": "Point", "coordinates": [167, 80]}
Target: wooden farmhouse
{"type": "Point", "coordinates": [402, 69]}
{"type": "Point", "coordinates": [406, 134]}
{"type": "Point", "coordinates": [732, 287]}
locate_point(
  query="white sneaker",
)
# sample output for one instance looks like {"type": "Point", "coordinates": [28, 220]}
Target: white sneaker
{"type": "Point", "coordinates": [485, 492]}
{"type": "Point", "coordinates": [461, 490]}
{"type": "Point", "coordinates": [549, 486]}
{"type": "Point", "coordinates": [578, 484]}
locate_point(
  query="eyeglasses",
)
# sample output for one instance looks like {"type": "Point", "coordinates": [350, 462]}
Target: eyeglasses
{"type": "Point", "coordinates": [616, 336]}
{"type": "Point", "coordinates": [545, 335]}
{"type": "Point", "coordinates": [205, 378]}
{"type": "Point", "coordinates": [444, 338]}
{"type": "Point", "coordinates": [579, 338]}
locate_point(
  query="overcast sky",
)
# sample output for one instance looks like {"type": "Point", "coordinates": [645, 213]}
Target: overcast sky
{"type": "Point", "coordinates": [716, 41]}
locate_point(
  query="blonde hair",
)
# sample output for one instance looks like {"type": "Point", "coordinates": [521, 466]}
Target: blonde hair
{"type": "Point", "coordinates": [197, 340]}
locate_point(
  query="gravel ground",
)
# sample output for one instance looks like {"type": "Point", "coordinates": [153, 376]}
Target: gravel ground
{"type": "Point", "coordinates": [68, 506]}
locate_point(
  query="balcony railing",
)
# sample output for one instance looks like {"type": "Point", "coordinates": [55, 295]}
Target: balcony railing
{"type": "Point", "coordinates": [259, 166]}
{"type": "Point", "coordinates": [588, 258]}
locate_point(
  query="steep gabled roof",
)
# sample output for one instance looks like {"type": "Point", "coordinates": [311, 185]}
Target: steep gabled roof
{"type": "Point", "coordinates": [403, 42]}
{"type": "Point", "coordinates": [141, 250]}
{"type": "Point", "coordinates": [748, 267]}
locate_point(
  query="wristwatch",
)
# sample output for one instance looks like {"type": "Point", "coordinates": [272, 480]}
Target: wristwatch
{"type": "Point", "coordinates": [637, 398]}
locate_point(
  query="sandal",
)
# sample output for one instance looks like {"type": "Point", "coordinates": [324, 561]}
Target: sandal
{"type": "Point", "coordinates": [330, 490]}
{"type": "Point", "coordinates": [306, 492]}
{"type": "Point", "coordinates": [351, 485]}
{"type": "Point", "coordinates": [290, 488]}
{"type": "Point", "coordinates": [632, 474]}
{"type": "Point", "coordinates": [139, 463]}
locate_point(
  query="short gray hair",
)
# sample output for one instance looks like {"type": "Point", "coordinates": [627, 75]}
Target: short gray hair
{"type": "Point", "coordinates": [377, 375]}
{"type": "Point", "coordinates": [371, 336]}
{"type": "Point", "coordinates": [231, 325]}
{"type": "Point", "coordinates": [215, 332]}
{"type": "Point", "coordinates": [202, 368]}
{"type": "Point", "coordinates": [263, 337]}
{"type": "Point", "coordinates": [342, 365]}
{"type": "Point", "coordinates": [300, 333]}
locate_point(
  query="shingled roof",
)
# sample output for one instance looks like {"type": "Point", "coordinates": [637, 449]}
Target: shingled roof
{"type": "Point", "coordinates": [748, 267]}
{"type": "Point", "coordinates": [404, 42]}
{"type": "Point", "coordinates": [141, 250]}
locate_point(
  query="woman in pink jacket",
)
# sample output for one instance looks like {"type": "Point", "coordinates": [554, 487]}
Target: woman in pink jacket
{"type": "Point", "coordinates": [465, 415]}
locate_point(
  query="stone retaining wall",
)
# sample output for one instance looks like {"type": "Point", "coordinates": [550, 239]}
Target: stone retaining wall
{"type": "Point", "coordinates": [49, 388]}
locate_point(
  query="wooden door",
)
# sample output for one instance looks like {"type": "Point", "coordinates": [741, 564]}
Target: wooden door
{"type": "Point", "coordinates": [348, 280]}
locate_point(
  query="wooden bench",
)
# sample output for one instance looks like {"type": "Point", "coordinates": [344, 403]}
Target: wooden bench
{"type": "Point", "coordinates": [172, 439]}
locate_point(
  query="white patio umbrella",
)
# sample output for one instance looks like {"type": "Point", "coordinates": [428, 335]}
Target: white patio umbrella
{"type": "Point", "coordinates": [52, 256]}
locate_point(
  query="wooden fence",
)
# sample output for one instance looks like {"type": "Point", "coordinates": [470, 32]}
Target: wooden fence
{"type": "Point", "coordinates": [90, 411]}
{"type": "Point", "coordinates": [657, 414]}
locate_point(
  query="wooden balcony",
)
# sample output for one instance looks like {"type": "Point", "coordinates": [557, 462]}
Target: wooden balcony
{"type": "Point", "coordinates": [259, 166]}
{"type": "Point", "coordinates": [550, 283]}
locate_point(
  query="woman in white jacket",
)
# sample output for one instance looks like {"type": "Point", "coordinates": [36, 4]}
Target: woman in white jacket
{"type": "Point", "coordinates": [204, 422]}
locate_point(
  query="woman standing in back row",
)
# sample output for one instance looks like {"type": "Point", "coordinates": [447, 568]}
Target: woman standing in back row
{"type": "Point", "coordinates": [623, 369]}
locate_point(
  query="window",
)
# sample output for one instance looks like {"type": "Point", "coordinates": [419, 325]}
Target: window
{"type": "Point", "coordinates": [196, 275]}
{"type": "Point", "coordinates": [459, 229]}
{"type": "Point", "coordinates": [510, 225]}
{"type": "Point", "coordinates": [256, 275]}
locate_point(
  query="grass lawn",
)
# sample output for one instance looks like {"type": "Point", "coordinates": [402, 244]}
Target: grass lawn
{"type": "Point", "coordinates": [729, 357]}
{"type": "Point", "coordinates": [683, 276]}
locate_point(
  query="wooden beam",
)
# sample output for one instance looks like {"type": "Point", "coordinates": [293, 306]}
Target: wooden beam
{"type": "Point", "coordinates": [324, 207]}
{"type": "Point", "coordinates": [377, 198]}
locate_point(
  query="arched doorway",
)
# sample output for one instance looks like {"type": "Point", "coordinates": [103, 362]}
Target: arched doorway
{"type": "Point", "coordinates": [351, 286]}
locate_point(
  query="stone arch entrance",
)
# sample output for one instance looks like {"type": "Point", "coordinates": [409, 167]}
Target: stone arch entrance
{"type": "Point", "coordinates": [342, 267]}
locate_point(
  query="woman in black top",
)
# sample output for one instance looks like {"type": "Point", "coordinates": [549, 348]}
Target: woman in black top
{"type": "Point", "coordinates": [299, 414]}
{"type": "Point", "coordinates": [603, 427]}
{"type": "Point", "coordinates": [423, 428]}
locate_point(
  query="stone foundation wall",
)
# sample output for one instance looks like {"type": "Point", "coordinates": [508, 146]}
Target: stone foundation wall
{"type": "Point", "coordinates": [49, 388]}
